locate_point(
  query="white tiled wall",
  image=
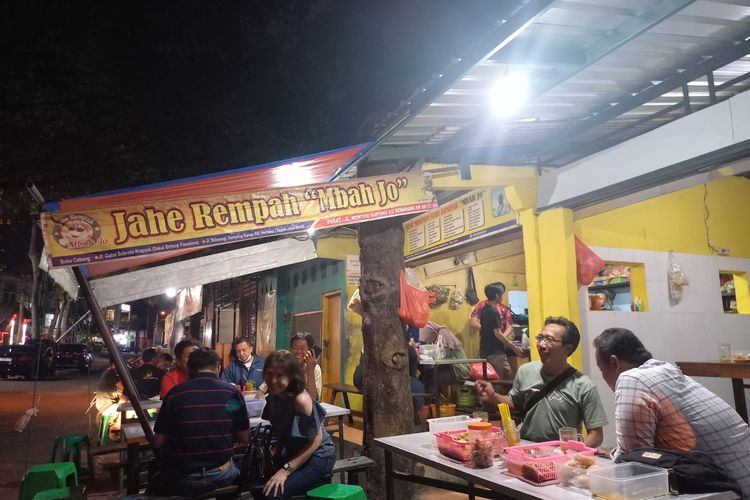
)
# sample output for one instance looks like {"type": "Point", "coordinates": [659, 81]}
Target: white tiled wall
{"type": "Point", "coordinates": [689, 331]}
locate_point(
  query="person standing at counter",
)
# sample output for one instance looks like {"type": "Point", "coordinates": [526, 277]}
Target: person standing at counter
{"type": "Point", "coordinates": [182, 352]}
{"type": "Point", "coordinates": [495, 332]}
{"type": "Point", "coordinates": [305, 447]}
{"type": "Point", "coordinates": [656, 406]}
{"type": "Point", "coordinates": [248, 367]}
{"type": "Point", "coordinates": [551, 393]}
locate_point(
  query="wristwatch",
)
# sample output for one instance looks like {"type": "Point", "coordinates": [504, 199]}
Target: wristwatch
{"type": "Point", "coordinates": [288, 467]}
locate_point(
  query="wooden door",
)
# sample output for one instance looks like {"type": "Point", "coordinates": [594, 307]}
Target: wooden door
{"type": "Point", "coordinates": [331, 357]}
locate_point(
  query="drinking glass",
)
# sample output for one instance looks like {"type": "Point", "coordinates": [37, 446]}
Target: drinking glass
{"type": "Point", "coordinates": [569, 434]}
{"type": "Point", "coordinates": [725, 353]}
{"type": "Point", "coordinates": [481, 414]}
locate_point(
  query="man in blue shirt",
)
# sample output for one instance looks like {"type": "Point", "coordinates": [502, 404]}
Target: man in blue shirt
{"type": "Point", "coordinates": [248, 367]}
{"type": "Point", "coordinates": [198, 424]}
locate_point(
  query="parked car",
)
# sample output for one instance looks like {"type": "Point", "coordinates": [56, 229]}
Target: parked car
{"type": "Point", "coordinates": [21, 361]}
{"type": "Point", "coordinates": [73, 356]}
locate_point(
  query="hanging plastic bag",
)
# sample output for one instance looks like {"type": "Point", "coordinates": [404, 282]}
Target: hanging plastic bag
{"type": "Point", "coordinates": [588, 264]}
{"type": "Point", "coordinates": [413, 279]}
{"type": "Point", "coordinates": [355, 303]}
{"type": "Point", "coordinates": [414, 307]}
{"type": "Point", "coordinates": [676, 278]}
{"type": "Point", "coordinates": [441, 293]}
{"type": "Point", "coordinates": [457, 300]}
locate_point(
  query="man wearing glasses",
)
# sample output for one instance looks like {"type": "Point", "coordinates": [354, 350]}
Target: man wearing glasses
{"type": "Point", "coordinates": [570, 398]}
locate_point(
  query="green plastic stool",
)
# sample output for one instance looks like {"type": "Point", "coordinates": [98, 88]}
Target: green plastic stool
{"type": "Point", "coordinates": [70, 450]}
{"type": "Point", "coordinates": [74, 493]}
{"type": "Point", "coordinates": [54, 494]}
{"type": "Point", "coordinates": [104, 430]}
{"type": "Point", "coordinates": [338, 492]}
{"type": "Point", "coordinates": [47, 477]}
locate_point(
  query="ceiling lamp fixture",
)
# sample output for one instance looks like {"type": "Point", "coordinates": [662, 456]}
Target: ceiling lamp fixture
{"type": "Point", "coordinates": [508, 94]}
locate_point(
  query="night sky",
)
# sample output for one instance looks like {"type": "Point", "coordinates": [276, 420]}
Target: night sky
{"type": "Point", "coordinates": [101, 95]}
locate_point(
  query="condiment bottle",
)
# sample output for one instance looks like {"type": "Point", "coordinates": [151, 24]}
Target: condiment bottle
{"type": "Point", "coordinates": [481, 431]}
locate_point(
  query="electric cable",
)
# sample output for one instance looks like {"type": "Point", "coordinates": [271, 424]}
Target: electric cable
{"type": "Point", "coordinates": [706, 216]}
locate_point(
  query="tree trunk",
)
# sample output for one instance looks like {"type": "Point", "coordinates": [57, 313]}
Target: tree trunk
{"type": "Point", "coordinates": [34, 255]}
{"type": "Point", "coordinates": [387, 396]}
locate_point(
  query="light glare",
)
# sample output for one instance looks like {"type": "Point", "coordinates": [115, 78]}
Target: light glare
{"type": "Point", "coordinates": [508, 94]}
{"type": "Point", "coordinates": [170, 292]}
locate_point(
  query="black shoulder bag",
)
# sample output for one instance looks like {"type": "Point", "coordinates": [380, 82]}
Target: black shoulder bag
{"type": "Point", "coordinates": [259, 463]}
{"type": "Point", "coordinates": [689, 471]}
{"type": "Point", "coordinates": [471, 292]}
{"type": "Point", "coordinates": [549, 387]}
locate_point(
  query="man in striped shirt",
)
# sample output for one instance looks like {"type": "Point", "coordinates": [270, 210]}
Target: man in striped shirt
{"type": "Point", "coordinates": [198, 424]}
{"type": "Point", "coordinates": [656, 406]}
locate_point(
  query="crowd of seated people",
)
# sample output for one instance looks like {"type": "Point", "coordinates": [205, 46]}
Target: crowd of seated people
{"type": "Point", "coordinates": [655, 406]}
{"type": "Point", "coordinates": [203, 415]}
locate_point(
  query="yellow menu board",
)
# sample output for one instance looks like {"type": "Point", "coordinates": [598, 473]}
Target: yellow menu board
{"type": "Point", "coordinates": [478, 214]}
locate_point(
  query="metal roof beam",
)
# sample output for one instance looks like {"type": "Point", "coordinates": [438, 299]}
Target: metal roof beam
{"type": "Point", "coordinates": [494, 40]}
{"type": "Point", "coordinates": [625, 32]}
{"type": "Point", "coordinates": [627, 102]}
{"type": "Point", "coordinates": [387, 152]}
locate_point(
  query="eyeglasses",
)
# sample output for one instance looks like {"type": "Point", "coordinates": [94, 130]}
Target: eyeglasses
{"type": "Point", "coordinates": [548, 339]}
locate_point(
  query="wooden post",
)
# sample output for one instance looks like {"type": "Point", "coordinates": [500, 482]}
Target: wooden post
{"type": "Point", "coordinates": [109, 341]}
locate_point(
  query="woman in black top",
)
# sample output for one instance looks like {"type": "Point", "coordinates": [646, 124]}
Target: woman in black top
{"type": "Point", "coordinates": [296, 420]}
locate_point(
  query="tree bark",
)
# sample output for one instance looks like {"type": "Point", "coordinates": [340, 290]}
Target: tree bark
{"type": "Point", "coordinates": [387, 397]}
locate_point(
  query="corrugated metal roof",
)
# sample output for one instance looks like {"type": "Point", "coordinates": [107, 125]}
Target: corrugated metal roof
{"type": "Point", "coordinates": [600, 72]}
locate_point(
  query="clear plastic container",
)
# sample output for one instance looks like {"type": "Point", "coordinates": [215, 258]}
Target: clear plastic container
{"type": "Point", "coordinates": [628, 481]}
{"type": "Point", "coordinates": [456, 444]}
{"type": "Point", "coordinates": [455, 423]}
{"type": "Point", "coordinates": [254, 406]}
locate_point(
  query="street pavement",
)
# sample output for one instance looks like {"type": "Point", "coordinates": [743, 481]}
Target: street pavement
{"type": "Point", "coordinates": [63, 401]}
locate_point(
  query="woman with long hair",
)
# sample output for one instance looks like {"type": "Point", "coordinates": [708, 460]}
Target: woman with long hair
{"type": "Point", "coordinates": [305, 448]}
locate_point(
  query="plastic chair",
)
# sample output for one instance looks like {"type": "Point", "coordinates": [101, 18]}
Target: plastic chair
{"type": "Point", "coordinates": [54, 494]}
{"type": "Point", "coordinates": [74, 493]}
{"type": "Point", "coordinates": [104, 430]}
{"type": "Point", "coordinates": [70, 450]}
{"type": "Point", "coordinates": [336, 491]}
{"type": "Point", "coordinates": [47, 477]}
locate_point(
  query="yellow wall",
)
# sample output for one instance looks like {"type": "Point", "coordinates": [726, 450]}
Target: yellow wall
{"type": "Point", "coordinates": [509, 270]}
{"type": "Point", "coordinates": [675, 221]}
{"type": "Point", "coordinates": [338, 248]}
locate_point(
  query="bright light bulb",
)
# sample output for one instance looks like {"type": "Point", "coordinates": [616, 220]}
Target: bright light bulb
{"type": "Point", "coordinates": [293, 174]}
{"type": "Point", "coordinates": [171, 292]}
{"type": "Point", "coordinates": [508, 94]}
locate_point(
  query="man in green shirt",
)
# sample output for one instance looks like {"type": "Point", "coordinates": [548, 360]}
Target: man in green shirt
{"type": "Point", "coordinates": [573, 402]}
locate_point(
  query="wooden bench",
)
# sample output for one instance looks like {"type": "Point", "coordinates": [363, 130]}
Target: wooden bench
{"type": "Point", "coordinates": [353, 467]}
{"type": "Point", "coordinates": [346, 389]}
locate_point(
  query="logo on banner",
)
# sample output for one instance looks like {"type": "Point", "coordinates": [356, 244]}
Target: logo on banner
{"type": "Point", "coordinates": [77, 231]}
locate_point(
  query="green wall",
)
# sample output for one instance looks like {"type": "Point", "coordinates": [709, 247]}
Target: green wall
{"type": "Point", "coordinates": [299, 289]}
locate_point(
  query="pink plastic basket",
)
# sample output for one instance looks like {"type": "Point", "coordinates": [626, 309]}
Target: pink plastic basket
{"type": "Point", "coordinates": [461, 449]}
{"type": "Point", "coordinates": [536, 462]}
